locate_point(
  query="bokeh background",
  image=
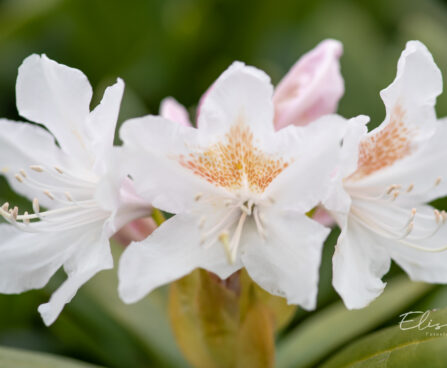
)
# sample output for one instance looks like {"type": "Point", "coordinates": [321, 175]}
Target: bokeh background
{"type": "Point", "coordinates": [177, 48]}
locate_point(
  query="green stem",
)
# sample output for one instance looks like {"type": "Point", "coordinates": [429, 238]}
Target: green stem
{"type": "Point", "coordinates": [158, 216]}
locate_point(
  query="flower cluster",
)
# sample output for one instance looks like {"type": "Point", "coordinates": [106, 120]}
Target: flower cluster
{"type": "Point", "coordinates": [253, 183]}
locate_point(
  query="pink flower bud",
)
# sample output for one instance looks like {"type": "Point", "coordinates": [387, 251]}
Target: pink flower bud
{"type": "Point", "coordinates": [170, 109]}
{"type": "Point", "coordinates": [135, 231]}
{"type": "Point", "coordinates": [311, 88]}
{"type": "Point", "coordinates": [323, 217]}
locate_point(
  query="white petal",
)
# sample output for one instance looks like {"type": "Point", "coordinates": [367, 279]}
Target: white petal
{"type": "Point", "coordinates": [28, 260]}
{"type": "Point", "coordinates": [152, 150]}
{"type": "Point", "coordinates": [170, 252]}
{"type": "Point", "coordinates": [359, 263]}
{"type": "Point", "coordinates": [241, 94]}
{"type": "Point", "coordinates": [287, 262]}
{"type": "Point", "coordinates": [315, 148]}
{"type": "Point", "coordinates": [90, 258]}
{"type": "Point", "coordinates": [23, 145]}
{"type": "Point", "coordinates": [58, 97]}
{"type": "Point", "coordinates": [172, 110]}
{"type": "Point", "coordinates": [337, 199]}
{"type": "Point", "coordinates": [424, 172]}
{"type": "Point", "coordinates": [102, 123]}
{"type": "Point", "coordinates": [426, 234]}
{"type": "Point", "coordinates": [417, 84]}
{"type": "Point", "coordinates": [423, 266]}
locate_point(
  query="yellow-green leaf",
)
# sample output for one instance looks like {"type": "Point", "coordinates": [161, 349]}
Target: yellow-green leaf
{"type": "Point", "coordinates": [421, 346]}
{"type": "Point", "coordinates": [334, 326]}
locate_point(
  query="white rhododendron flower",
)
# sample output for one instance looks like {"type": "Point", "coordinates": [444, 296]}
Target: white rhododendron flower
{"type": "Point", "coordinates": [385, 180]}
{"type": "Point", "coordinates": [240, 191]}
{"type": "Point", "coordinates": [86, 203]}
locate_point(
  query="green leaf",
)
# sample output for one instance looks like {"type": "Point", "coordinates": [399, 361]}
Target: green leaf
{"type": "Point", "coordinates": [334, 326]}
{"type": "Point", "coordinates": [24, 359]}
{"type": "Point", "coordinates": [205, 316]}
{"type": "Point", "coordinates": [256, 347]}
{"type": "Point", "coordinates": [224, 323]}
{"type": "Point", "coordinates": [421, 346]}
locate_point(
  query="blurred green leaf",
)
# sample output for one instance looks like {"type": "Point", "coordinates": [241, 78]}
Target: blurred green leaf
{"type": "Point", "coordinates": [15, 358]}
{"type": "Point", "coordinates": [393, 347]}
{"type": "Point", "coordinates": [225, 323]}
{"type": "Point", "coordinates": [205, 318]}
{"type": "Point", "coordinates": [100, 326]}
{"type": "Point", "coordinates": [334, 326]}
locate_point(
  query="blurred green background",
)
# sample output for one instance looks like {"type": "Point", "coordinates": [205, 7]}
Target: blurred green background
{"type": "Point", "coordinates": [177, 48]}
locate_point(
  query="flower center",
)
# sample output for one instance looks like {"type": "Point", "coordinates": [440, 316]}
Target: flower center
{"type": "Point", "coordinates": [233, 219]}
{"type": "Point", "coordinates": [385, 147]}
{"type": "Point", "coordinates": [235, 162]}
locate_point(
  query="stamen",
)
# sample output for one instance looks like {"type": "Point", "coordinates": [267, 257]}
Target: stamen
{"type": "Point", "coordinates": [59, 170]}
{"type": "Point", "coordinates": [23, 173]}
{"type": "Point", "coordinates": [198, 197]}
{"type": "Point", "coordinates": [37, 168]}
{"type": "Point", "coordinates": [224, 239]}
{"type": "Point", "coordinates": [410, 188]}
{"type": "Point", "coordinates": [382, 230]}
{"type": "Point", "coordinates": [48, 194]}
{"type": "Point", "coordinates": [68, 196]}
{"type": "Point", "coordinates": [392, 188]}
{"type": "Point", "coordinates": [5, 206]}
{"type": "Point", "coordinates": [438, 181]}
{"type": "Point", "coordinates": [26, 219]}
{"type": "Point", "coordinates": [235, 240]}
{"type": "Point", "coordinates": [18, 178]}
{"type": "Point", "coordinates": [258, 223]}
{"type": "Point", "coordinates": [15, 212]}
{"type": "Point", "coordinates": [36, 207]}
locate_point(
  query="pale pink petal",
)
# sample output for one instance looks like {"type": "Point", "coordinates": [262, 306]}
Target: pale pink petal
{"type": "Point", "coordinates": [137, 230]}
{"type": "Point", "coordinates": [172, 110]}
{"type": "Point", "coordinates": [311, 88]}
{"type": "Point", "coordinates": [323, 217]}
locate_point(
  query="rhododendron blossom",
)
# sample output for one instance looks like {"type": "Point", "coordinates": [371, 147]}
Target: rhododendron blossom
{"type": "Point", "coordinates": [240, 191]}
{"type": "Point", "coordinates": [384, 182]}
{"type": "Point", "coordinates": [86, 202]}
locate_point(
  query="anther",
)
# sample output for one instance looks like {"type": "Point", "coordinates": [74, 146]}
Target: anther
{"type": "Point", "coordinates": [438, 181]}
{"type": "Point", "coordinates": [15, 212]}
{"type": "Point", "coordinates": [395, 194]}
{"type": "Point", "coordinates": [19, 178]}
{"type": "Point", "coordinates": [198, 197]}
{"type": "Point", "coordinates": [68, 196]}
{"type": "Point", "coordinates": [410, 188]}
{"type": "Point", "coordinates": [392, 188]}
{"type": "Point", "coordinates": [5, 206]}
{"type": "Point", "coordinates": [25, 217]}
{"type": "Point", "coordinates": [23, 173]}
{"type": "Point", "coordinates": [443, 215]}
{"type": "Point", "coordinates": [202, 222]}
{"type": "Point", "coordinates": [409, 229]}
{"type": "Point", "coordinates": [48, 194]}
{"type": "Point", "coordinates": [36, 168]}
{"type": "Point", "coordinates": [58, 169]}
{"type": "Point", "coordinates": [36, 207]}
